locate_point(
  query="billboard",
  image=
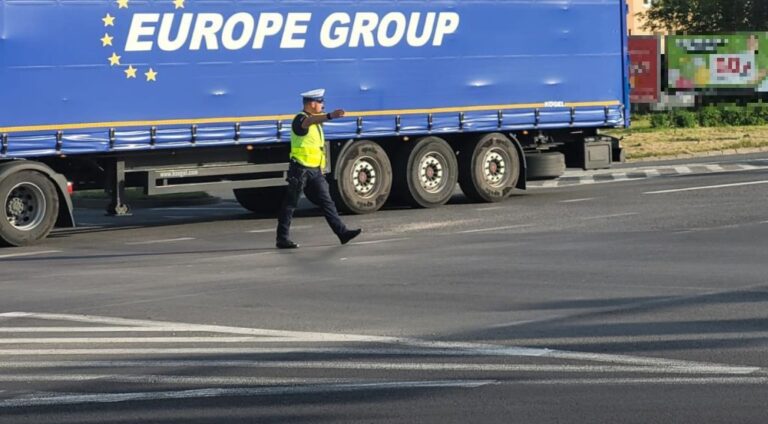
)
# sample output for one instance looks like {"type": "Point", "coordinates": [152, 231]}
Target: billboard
{"type": "Point", "coordinates": [725, 61]}
{"type": "Point", "coordinates": [645, 69]}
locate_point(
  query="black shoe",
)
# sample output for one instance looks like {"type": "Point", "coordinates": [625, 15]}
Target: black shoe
{"type": "Point", "coordinates": [286, 244]}
{"type": "Point", "coordinates": [348, 235]}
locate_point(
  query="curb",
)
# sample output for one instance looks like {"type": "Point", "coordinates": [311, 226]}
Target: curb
{"type": "Point", "coordinates": [714, 153]}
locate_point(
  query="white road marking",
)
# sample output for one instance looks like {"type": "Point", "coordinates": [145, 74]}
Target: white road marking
{"type": "Point", "coordinates": [136, 243]}
{"type": "Point", "coordinates": [231, 257]}
{"type": "Point", "coordinates": [648, 381]}
{"type": "Point", "coordinates": [92, 329]}
{"type": "Point", "coordinates": [712, 187]}
{"type": "Point", "coordinates": [70, 399]}
{"type": "Point", "coordinates": [381, 241]}
{"type": "Point", "coordinates": [578, 200]}
{"type": "Point", "coordinates": [170, 379]}
{"type": "Point", "coordinates": [620, 176]}
{"type": "Point", "coordinates": [404, 346]}
{"type": "Point", "coordinates": [485, 230]}
{"type": "Point", "coordinates": [549, 184]}
{"type": "Point", "coordinates": [144, 340]}
{"type": "Point", "coordinates": [390, 366]}
{"type": "Point", "coordinates": [589, 179]}
{"type": "Point", "coordinates": [683, 170]}
{"type": "Point", "coordinates": [297, 335]}
{"type": "Point", "coordinates": [272, 230]}
{"type": "Point", "coordinates": [491, 208]}
{"type": "Point", "coordinates": [243, 351]}
{"type": "Point", "coordinates": [21, 255]}
{"type": "Point", "coordinates": [652, 173]}
{"type": "Point", "coordinates": [198, 208]}
{"type": "Point", "coordinates": [618, 215]}
{"type": "Point", "coordinates": [714, 167]}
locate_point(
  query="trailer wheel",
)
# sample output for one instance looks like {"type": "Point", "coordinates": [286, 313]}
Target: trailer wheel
{"type": "Point", "coordinates": [545, 166]}
{"type": "Point", "coordinates": [427, 172]}
{"type": "Point", "coordinates": [261, 201]}
{"type": "Point", "coordinates": [364, 178]}
{"type": "Point", "coordinates": [30, 207]}
{"type": "Point", "coordinates": [489, 168]}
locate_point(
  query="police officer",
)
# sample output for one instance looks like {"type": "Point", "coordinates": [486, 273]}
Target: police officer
{"type": "Point", "coordinates": [305, 172]}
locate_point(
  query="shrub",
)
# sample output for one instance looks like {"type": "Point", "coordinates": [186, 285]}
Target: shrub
{"type": "Point", "coordinates": [710, 116]}
{"type": "Point", "coordinates": [682, 118]}
{"type": "Point", "coordinates": [732, 115]}
{"type": "Point", "coordinates": [759, 112]}
{"type": "Point", "coordinates": [661, 120]}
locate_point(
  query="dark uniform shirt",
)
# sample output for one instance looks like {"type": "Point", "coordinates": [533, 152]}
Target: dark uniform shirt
{"type": "Point", "coordinates": [296, 126]}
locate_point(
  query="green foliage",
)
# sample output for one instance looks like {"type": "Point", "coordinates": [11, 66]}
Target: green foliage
{"type": "Point", "coordinates": [661, 120]}
{"type": "Point", "coordinates": [733, 115]}
{"type": "Point", "coordinates": [682, 118]}
{"type": "Point", "coordinates": [710, 116]}
{"type": "Point", "coordinates": [707, 16]}
{"type": "Point", "coordinates": [760, 112]}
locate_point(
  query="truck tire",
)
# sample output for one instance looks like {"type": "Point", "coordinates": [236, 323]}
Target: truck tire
{"type": "Point", "coordinates": [545, 166]}
{"type": "Point", "coordinates": [364, 178]}
{"type": "Point", "coordinates": [489, 168]}
{"type": "Point", "coordinates": [30, 206]}
{"type": "Point", "coordinates": [426, 173]}
{"type": "Point", "coordinates": [261, 201]}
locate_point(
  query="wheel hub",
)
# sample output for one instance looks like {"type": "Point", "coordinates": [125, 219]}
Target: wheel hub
{"type": "Point", "coordinates": [432, 172]}
{"type": "Point", "coordinates": [364, 176]}
{"type": "Point", "coordinates": [25, 206]}
{"type": "Point", "coordinates": [15, 206]}
{"type": "Point", "coordinates": [494, 168]}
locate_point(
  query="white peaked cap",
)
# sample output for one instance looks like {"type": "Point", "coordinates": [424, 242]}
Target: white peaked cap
{"type": "Point", "coordinates": [314, 94]}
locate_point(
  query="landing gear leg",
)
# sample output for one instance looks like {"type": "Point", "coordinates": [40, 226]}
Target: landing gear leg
{"type": "Point", "coordinates": [116, 189]}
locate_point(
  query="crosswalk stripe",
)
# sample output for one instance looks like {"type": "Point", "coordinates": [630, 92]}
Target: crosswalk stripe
{"type": "Point", "coordinates": [73, 399]}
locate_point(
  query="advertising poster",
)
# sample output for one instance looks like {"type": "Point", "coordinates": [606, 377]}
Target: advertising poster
{"type": "Point", "coordinates": [645, 69]}
{"type": "Point", "coordinates": [723, 61]}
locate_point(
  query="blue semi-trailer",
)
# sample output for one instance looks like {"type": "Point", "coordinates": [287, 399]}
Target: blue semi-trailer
{"type": "Point", "coordinates": [185, 95]}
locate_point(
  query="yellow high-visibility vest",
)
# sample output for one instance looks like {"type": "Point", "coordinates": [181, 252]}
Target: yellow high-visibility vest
{"type": "Point", "coordinates": [309, 150]}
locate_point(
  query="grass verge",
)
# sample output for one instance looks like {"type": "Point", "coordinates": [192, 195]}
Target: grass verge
{"type": "Point", "coordinates": [641, 141]}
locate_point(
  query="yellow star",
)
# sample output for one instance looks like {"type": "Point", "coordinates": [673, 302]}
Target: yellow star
{"type": "Point", "coordinates": [106, 40]}
{"type": "Point", "coordinates": [151, 75]}
{"type": "Point", "coordinates": [130, 72]}
{"type": "Point", "coordinates": [179, 4]}
{"type": "Point", "coordinates": [122, 4]}
{"type": "Point", "coordinates": [114, 59]}
{"type": "Point", "coordinates": [108, 20]}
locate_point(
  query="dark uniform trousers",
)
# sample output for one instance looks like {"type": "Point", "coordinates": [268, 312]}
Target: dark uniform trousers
{"type": "Point", "coordinates": [312, 182]}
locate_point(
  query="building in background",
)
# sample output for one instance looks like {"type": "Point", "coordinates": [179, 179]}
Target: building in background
{"type": "Point", "coordinates": [635, 24]}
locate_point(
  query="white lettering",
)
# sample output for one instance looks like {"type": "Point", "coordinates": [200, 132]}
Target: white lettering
{"type": "Point", "coordinates": [398, 20]}
{"type": "Point", "coordinates": [293, 27]}
{"type": "Point", "coordinates": [228, 39]}
{"type": "Point", "coordinates": [208, 31]}
{"type": "Point", "coordinates": [415, 40]}
{"type": "Point", "coordinates": [206, 27]}
{"type": "Point", "coordinates": [164, 38]}
{"type": "Point", "coordinates": [331, 36]}
{"type": "Point", "coordinates": [269, 25]}
{"type": "Point", "coordinates": [447, 23]}
{"type": "Point", "coordinates": [132, 44]}
{"type": "Point", "coordinates": [365, 24]}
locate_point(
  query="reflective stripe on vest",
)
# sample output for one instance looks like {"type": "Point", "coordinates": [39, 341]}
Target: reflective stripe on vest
{"type": "Point", "coordinates": [309, 150]}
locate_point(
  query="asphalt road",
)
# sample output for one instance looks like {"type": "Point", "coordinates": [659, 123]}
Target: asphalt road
{"type": "Point", "coordinates": [636, 298]}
